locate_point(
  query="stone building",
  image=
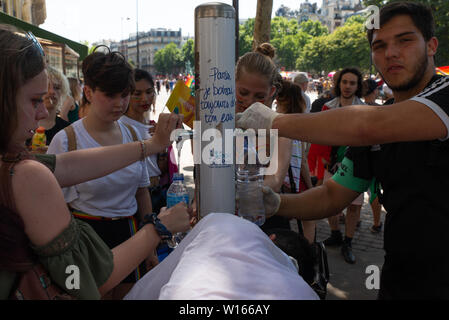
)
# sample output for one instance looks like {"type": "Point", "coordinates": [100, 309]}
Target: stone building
{"type": "Point", "coordinates": [308, 11]}
{"type": "Point", "coordinates": [31, 11]}
{"type": "Point", "coordinates": [334, 13]}
{"type": "Point", "coordinates": [149, 43]}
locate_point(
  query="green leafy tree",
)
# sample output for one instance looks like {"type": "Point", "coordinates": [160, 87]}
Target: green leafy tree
{"type": "Point", "coordinates": [313, 28]}
{"type": "Point", "coordinates": [349, 47]}
{"type": "Point", "coordinates": [288, 40]}
{"type": "Point", "coordinates": [188, 52]}
{"type": "Point", "coordinates": [168, 60]}
{"type": "Point", "coordinates": [314, 55]}
{"type": "Point", "coordinates": [345, 47]}
{"type": "Point", "coordinates": [246, 37]}
{"type": "Point", "coordinates": [281, 26]}
{"type": "Point", "coordinates": [355, 20]}
{"type": "Point", "coordinates": [289, 47]}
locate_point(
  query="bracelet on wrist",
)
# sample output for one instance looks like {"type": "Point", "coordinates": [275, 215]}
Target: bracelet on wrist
{"type": "Point", "coordinates": [161, 230]}
{"type": "Point", "coordinates": [143, 149]}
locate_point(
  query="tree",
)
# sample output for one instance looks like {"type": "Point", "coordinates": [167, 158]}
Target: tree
{"type": "Point", "coordinates": [281, 26]}
{"type": "Point", "coordinates": [314, 55]}
{"type": "Point", "coordinates": [288, 41]}
{"type": "Point", "coordinates": [246, 37]}
{"type": "Point", "coordinates": [188, 52]}
{"type": "Point", "coordinates": [262, 26]}
{"type": "Point", "coordinates": [345, 47]}
{"type": "Point", "coordinates": [168, 60]}
{"type": "Point", "coordinates": [313, 28]}
{"type": "Point", "coordinates": [348, 46]}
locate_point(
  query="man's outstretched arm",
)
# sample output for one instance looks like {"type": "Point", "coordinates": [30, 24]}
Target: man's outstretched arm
{"type": "Point", "coordinates": [353, 125]}
{"type": "Point", "coordinates": [321, 202]}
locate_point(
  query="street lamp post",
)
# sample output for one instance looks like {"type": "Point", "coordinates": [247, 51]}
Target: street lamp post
{"type": "Point", "coordinates": [121, 34]}
{"type": "Point", "coordinates": [137, 35]}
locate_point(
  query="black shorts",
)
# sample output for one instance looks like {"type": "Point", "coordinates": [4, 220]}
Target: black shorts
{"type": "Point", "coordinates": [115, 232]}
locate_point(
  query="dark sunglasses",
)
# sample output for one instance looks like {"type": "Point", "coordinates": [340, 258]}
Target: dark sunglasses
{"type": "Point", "coordinates": [36, 43]}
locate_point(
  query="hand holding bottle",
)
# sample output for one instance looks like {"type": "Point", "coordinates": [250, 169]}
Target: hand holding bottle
{"type": "Point", "coordinates": [271, 201]}
{"type": "Point", "coordinates": [176, 219]}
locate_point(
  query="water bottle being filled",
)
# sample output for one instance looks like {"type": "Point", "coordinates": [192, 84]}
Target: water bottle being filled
{"type": "Point", "coordinates": [176, 193]}
{"type": "Point", "coordinates": [249, 182]}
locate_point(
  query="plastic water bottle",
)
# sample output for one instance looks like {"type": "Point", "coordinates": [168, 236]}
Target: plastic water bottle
{"type": "Point", "coordinates": [249, 183]}
{"type": "Point", "coordinates": [39, 139]}
{"type": "Point", "coordinates": [177, 193]}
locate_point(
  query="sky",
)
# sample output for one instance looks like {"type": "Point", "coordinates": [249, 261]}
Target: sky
{"type": "Point", "coordinates": [94, 20]}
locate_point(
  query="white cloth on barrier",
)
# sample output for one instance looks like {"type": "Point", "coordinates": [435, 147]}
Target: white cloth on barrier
{"type": "Point", "coordinates": [224, 257]}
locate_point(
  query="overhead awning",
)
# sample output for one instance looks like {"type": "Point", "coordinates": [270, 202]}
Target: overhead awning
{"type": "Point", "coordinates": [79, 48]}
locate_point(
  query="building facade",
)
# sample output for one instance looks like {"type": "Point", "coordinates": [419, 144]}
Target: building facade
{"type": "Point", "coordinates": [308, 11]}
{"type": "Point", "coordinates": [334, 13]}
{"type": "Point", "coordinates": [31, 11]}
{"type": "Point", "coordinates": [149, 43]}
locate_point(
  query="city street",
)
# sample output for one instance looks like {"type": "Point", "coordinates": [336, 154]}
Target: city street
{"type": "Point", "coordinates": [347, 282]}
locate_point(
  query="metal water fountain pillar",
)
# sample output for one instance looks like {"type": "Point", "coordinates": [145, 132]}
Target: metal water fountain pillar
{"type": "Point", "coordinates": [215, 108]}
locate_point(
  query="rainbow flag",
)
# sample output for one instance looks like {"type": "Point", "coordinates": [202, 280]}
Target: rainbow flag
{"type": "Point", "coordinates": [190, 81]}
{"type": "Point", "coordinates": [443, 70]}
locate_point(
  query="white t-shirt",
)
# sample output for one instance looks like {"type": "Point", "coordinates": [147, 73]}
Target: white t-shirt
{"type": "Point", "coordinates": [111, 196]}
{"type": "Point", "coordinates": [224, 257]}
{"type": "Point", "coordinates": [153, 169]}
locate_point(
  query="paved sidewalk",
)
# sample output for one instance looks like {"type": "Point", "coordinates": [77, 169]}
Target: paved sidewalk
{"type": "Point", "coordinates": [347, 282]}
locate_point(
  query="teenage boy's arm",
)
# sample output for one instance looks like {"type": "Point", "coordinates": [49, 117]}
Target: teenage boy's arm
{"type": "Point", "coordinates": [352, 125]}
{"type": "Point", "coordinates": [317, 203]}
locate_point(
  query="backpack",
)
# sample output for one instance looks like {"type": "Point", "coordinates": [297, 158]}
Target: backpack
{"type": "Point", "coordinates": [71, 136]}
{"type": "Point", "coordinates": [36, 284]}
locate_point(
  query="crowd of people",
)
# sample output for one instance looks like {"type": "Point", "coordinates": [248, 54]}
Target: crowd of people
{"type": "Point", "coordinates": [92, 198]}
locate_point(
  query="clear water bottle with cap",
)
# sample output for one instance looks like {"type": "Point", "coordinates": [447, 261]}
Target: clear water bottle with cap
{"type": "Point", "coordinates": [177, 193]}
{"type": "Point", "coordinates": [249, 183]}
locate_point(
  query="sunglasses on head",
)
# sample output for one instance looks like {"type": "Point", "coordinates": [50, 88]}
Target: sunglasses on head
{"type": "Point", "coordinates": [36, 43]}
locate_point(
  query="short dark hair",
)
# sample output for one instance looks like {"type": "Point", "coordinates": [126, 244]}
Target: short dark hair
{"type": "Point", "coordinates": [108, 72]}
{"type": "Point", "coordinates": [420, 14]}
{"type": "Point", "coordinates": [340, 75]}
{"type": "Point", "coordinates": [140, 74]}
{"type": "Point", "coordinates": [297, 246]}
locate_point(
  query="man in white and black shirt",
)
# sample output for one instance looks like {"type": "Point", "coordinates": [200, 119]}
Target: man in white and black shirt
{"type": "Point", "coordinates": [410, 159]}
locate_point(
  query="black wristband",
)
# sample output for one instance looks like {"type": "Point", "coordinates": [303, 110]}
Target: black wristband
{"type": "Point", "coordinates": [162, 231]}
